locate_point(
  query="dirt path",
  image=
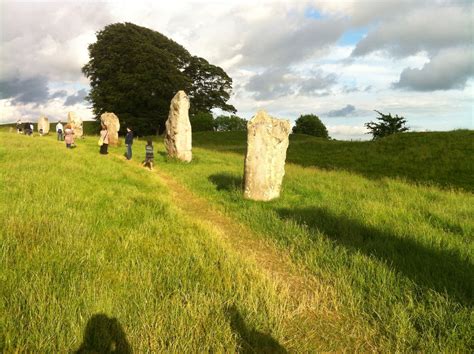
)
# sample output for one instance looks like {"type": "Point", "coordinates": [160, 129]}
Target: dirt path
{"type": "Point", "coordinates": [311, 309]}
{"type": "Point", "coordinates": [241, 239]}
{"type": "Point", "coordinates": [275, 263]}
{"type": "Point", "coordinates": [308, 305]}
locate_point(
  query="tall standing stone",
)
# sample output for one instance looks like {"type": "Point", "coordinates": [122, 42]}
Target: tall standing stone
{"type": "Point", "coordinates": [76, 124]}
{"type": "Point", "coordinates": [43, 125]}
{"type": "Point", "coordinates": [111, 121]}
{"type": "Point", "coordinates": [178, 139]}
{"type": "Point", "coordinates": [267, 142]}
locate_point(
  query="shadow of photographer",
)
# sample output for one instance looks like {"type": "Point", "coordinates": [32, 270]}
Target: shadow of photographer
{"type": "Point", "coordinates": [251, 340]}
{"type": "Point", "coordinates": [104, 335]}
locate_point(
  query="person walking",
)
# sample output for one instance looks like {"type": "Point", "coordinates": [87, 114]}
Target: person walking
{"type": "Point", "coordinates": [69, 136]}
{"type": "Point", "coordinates": [19, 126]}
{"type": "Point", "coordinates": [104, 140]}
{"type": "Point", "coordinates": [128, 143]}
{"type": "Point", "coordinates": [149, 155]}
{"type": "Point", "coordinates": [60, 130]}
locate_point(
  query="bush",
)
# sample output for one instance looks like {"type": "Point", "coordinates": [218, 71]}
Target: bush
{"type": "Point", "coordinates": [388, 125]}
{"type": "Point", "coordinates": [310, 124]}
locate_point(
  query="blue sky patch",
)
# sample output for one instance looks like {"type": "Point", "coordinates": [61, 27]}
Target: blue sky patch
{"type": "Point", "coordinates": [313, 13]}
{"type": "Point", "coordinates": [353, 36]}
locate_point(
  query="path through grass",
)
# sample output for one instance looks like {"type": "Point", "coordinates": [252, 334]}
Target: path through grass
{"type": "Point", "coordinates": [390, 264]}
{"type": "Point", "coordinates": [398, 256]}
{"type": "Point", "coordinates": [90, 244]}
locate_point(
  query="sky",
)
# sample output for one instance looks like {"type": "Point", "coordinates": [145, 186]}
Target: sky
{"type": "Point", "coordinates": [340, 60]}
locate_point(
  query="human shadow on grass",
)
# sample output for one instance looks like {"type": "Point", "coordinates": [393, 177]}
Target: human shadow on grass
{"type": "Point", "coordinates": [226, 181]}
{"type": "Point", "coordinates": [104, 335]}
{"type": "Point", "coordinates": [251, 340]}
{"type": "Point", "coordinates": [444, 271]}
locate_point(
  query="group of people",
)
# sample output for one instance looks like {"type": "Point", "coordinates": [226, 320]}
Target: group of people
{"type": "Point", "coordinates": [104, 146]}
{"type": "Point", "coordinates": [24, 128]}
{"type": "Point", "coordinates": [66, 134]}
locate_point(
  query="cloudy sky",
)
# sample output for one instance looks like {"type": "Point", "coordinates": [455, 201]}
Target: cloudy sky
{"type": "Point", "coordinates": [337, 59]}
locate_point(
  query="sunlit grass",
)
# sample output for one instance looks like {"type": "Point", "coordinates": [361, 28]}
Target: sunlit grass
{"type": "Point", "coordinates": [399, 255]}
{"type": "Point", "coordinates": [83, 234]}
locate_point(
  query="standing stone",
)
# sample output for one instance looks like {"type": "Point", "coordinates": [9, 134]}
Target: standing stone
{"type": "Point", "coordinates": [76, 124]}
{"type": "Point", "coordinates": [178, 140]}
{"type": "Point", "coordinates": [267, 142]}
{"type": "Point", "coordinates": [43, 125]}
{"type": "Point", "coordinates": [111, 121]}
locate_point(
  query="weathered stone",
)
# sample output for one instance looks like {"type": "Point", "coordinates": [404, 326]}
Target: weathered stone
{"type": "Point", "coordinates": [178, 140]}
{"type": "Point", "coordinates": [267, 142]}
{"type": "Point", "coordinates": [76, 124]}
{"type": "Point", "coordinates": [111, 121]}
{"type": "Point", "coordinates": [43, 125]}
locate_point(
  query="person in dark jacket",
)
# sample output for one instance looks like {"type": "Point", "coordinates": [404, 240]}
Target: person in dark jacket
{"type": "Point", "coordinates": [149, 155]}
{"type": "Point", "coordinates": [128, 143]}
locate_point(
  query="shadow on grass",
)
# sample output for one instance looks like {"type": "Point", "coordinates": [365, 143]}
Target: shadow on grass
{"type": "Point", "coordinates": [104, 335]}
{"type": "Point", "coordinates": [226, 181]}
{"type": "Point", "coordinates": [250, 340]}
{"type": "Point", "coordinates": [444, 271]}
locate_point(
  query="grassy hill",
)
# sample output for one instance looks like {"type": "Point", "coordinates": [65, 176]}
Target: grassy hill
{"type": "Point", "coordinates": [344, 260]}
{"type": "Point", "coordinates": [442, 158]}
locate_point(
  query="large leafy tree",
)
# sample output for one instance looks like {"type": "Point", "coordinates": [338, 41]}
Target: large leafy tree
{"type": "Point", "coordinates": [135, 72]}
{"type": "Point", "coordinates": [310, 124]}
{"type": "Point", "coordinates": [387, 125]}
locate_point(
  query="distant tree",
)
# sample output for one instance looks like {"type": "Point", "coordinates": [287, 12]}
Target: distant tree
{"type": "Point", "coordinates": [135, 72]}
{"type": "Point", "coordinates": [230, 123]}
{"type": "Point", "coordinates": [310, 124]}
{"type": "Point", "coordinates": [388, 125]}
{"type": "Point", "coordinates": [202, 121]}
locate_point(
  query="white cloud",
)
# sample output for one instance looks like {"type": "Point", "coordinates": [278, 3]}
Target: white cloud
{"type": "Point", "coordinates": [449, 69]}
{"type": "Point", "coordinates": [426, 28]}
{"type": "Point", "coordinates": [344, 132]}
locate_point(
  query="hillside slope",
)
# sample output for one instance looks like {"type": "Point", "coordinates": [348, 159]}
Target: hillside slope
{"type": "Point", "coordinates": [442, 158]}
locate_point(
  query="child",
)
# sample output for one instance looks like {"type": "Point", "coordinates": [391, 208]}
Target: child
{"type": "Point", "coordinates": [69, 137]}
{"type": "Point", "coordinates": [149, 155]}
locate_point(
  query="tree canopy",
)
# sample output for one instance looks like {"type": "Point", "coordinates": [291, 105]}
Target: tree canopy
{"type": "Point", "coordinates": [310, 124]}
{"type": "Point", "coordinates": [388, 125]}
{"type": "Point", "coordinates": [135, 72]}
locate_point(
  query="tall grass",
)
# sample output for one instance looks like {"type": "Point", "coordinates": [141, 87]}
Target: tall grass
{"type": "Point", "coordinates": [85, 239]}
{"type": "Point", "coordinates": [85, 235]}
{"type": "Point", "coordinates": [399, 256]}
{"type": "Point", "coordinates": [445, 159]}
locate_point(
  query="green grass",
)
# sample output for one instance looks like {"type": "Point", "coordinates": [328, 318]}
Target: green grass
{"type": "Point", "coordinates": [442, 158]}
{"type": "Point", "coordinates": [84, 234]}
{"type": "Point", "coordinates": [399, 255]}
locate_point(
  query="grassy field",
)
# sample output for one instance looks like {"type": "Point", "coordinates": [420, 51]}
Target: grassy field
{"type": "Point", "coordinates": [89, 243]}
{"type": "Point", "coordinates": [398, 255]}
{"type": "Point", "coordinates": [87, 239]}
{"type": "Point", "coordinates": [442, 158]}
